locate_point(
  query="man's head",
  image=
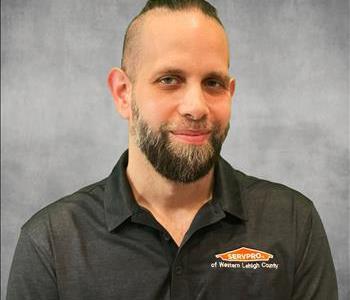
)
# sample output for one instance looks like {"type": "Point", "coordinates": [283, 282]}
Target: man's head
{"type": "Point", "coordinates": [131, 45]}
{"type": "Point", "coordinates": [174, 87]}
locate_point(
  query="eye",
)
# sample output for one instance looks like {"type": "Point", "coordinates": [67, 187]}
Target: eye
{"type": "Point", "coordinates": [169, 80]}
{"type": "Point", "coordinates": [213, 83]}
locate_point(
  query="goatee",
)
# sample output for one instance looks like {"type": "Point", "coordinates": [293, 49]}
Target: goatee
{"type": "Point", "coordinates": [179, 162]}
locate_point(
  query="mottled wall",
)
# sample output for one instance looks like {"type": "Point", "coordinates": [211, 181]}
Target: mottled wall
{"type": "Point", "coordinates": [290, 118]}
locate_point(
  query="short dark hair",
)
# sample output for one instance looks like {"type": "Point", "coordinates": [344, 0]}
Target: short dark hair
{"type": "Point", "coordinates": [174, 5]}
{"type": "Point", "coordinates": [205, 7]}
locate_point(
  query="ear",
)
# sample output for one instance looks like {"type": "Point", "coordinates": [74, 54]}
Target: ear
{"type": "Point", "coordinates": [232, 86]}
{"type": "Point", "coordinates": [120, 87]}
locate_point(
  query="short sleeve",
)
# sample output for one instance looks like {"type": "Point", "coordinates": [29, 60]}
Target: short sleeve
{"type": "Point", "coordinates": [315, 274]}
{"type": "Point", "coordinates": [32, 276]}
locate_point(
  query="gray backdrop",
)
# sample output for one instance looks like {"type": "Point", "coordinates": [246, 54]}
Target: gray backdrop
{"type": "Point", "coordinates": [290, 119]}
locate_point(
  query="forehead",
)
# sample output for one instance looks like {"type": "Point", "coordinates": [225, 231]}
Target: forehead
{"type": "Point", "coordinates": [187, 38]}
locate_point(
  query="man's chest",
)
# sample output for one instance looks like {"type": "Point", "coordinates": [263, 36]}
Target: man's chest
{"type": "Point", "coordinates": [220, 261]}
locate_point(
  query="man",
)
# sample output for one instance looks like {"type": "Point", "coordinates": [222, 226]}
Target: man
{"type": "Point", "coordinates": [174, 220]}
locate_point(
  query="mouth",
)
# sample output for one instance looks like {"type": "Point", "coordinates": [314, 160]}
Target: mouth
{"type": "Point", "coordinates": [196, 137]}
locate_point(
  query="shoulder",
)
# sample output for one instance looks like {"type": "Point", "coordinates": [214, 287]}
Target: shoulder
{"type": "Point", "coordinates": [254, 187]}
{"type": "Point", "coordinates": [279, 211]}
{"type": "Point", "coordinates": [257, 194]}
{"type": "Point", "coordinates": [59, 216]}
{"type": "Point", "coordinates": [275, 198]}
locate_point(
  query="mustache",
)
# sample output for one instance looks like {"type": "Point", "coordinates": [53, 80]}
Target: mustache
{"type": "Point", "coordinates": [189, 125]}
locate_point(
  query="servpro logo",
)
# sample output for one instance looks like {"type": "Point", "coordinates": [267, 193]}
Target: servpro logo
{"type": "Point", "coordinates": [245, 259]}
{"type": "Point", "coordinates": [244, 254]}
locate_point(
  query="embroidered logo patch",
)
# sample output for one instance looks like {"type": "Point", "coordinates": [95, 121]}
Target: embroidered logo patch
{"type": "Point", "coordinates": [244, 254]}
{"type": "Point", "coordinates": [244, 258]}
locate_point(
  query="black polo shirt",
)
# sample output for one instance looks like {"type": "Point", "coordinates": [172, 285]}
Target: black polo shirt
{"type": "Point", "coordinates": [254, 240]}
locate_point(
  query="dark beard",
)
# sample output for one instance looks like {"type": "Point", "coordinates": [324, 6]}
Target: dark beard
{"type": "Point", "coordinates": [182, 163]}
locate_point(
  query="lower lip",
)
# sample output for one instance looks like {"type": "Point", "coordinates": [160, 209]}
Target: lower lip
{"type": "Point", "coordinates": [192, 139]}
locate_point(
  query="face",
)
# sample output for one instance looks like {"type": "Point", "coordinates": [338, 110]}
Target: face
{"type": "Point", "coordinates": [181, 96]}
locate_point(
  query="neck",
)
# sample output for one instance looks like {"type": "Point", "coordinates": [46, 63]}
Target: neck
{"type": "Point", "coordinates": [173, 205]}
{"type": "Point", "coordinates": [153, 191]}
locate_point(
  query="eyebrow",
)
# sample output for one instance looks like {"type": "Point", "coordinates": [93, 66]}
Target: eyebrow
{"type": "Point", "coordinates": [170, 71]}
{"type": "Point", "coordinates": [216, 74]}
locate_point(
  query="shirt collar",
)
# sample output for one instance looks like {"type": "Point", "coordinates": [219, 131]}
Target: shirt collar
{"type": "Point", "coordinates": [227, 190]}
{"type": "Point", "coordinates": [120, 203]}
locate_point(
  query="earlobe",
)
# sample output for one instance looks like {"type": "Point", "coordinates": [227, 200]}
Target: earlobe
{"type": "Point", "coordinates": [120, 87]}
{"type": "Point", "coordinates": [232, 86]}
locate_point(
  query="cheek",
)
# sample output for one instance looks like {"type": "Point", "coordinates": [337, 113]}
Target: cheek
{"type": "Point", "coordinates": [222, 113]}
{"type": "Point", "coordinates": [155, 111]}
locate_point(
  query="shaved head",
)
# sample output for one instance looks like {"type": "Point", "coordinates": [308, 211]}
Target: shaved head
{"type": "Point", "coordinates": [132, 45]}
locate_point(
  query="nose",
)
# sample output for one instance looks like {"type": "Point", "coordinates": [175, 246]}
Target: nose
{"type": "Point", "coordinates": [193, 105]}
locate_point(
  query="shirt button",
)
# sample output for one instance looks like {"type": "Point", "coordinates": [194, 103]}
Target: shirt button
{"type": "Point", "coordinates": [166, 237]}
{"type": "Point", "coordinates": [178, 270]}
